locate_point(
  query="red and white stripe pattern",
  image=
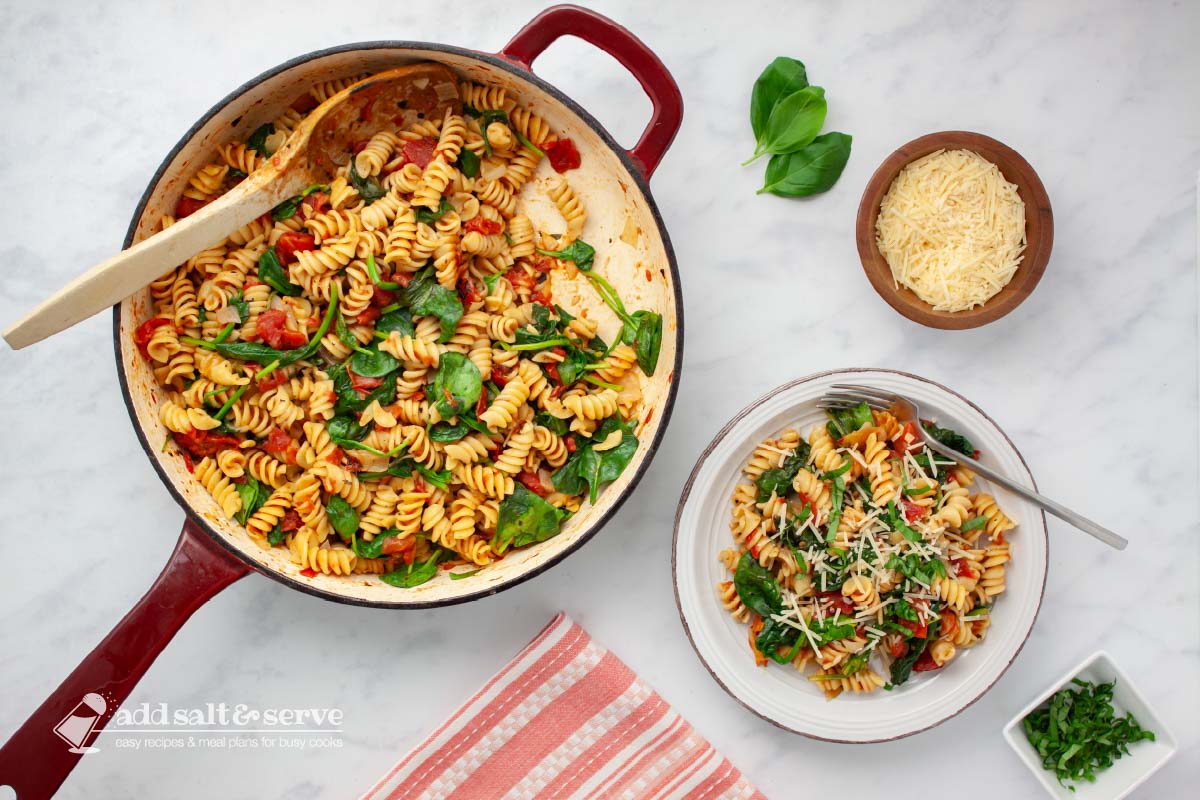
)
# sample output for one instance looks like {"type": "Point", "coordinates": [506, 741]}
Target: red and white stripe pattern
{"type": "Point", "coordinates": [565, 720]}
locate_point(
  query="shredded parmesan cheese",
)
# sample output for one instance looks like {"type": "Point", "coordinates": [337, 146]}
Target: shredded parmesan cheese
{"type": "Point", "coordinates": [952, 229]}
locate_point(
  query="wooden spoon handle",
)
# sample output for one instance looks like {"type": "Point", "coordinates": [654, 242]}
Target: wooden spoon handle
{"type": "Point", "coordinates": [116, 278]}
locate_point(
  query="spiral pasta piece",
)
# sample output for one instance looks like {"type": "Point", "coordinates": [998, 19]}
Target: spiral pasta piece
{"type": "Point", "coordinates": [219, 486]}
{"type": "Point", "coordinates": [485, 480]}
{"type": "Point", "coordinates": [264, 520]}
{"type": "Point", "coordinates": [500, 414]}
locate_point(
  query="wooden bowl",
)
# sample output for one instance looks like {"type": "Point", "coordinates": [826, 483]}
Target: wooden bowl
{"type": "Point", "coordinates": [1039, 230]}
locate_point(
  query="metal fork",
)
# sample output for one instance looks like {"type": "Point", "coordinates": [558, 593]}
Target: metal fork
{"type": "Point", "coordinates": [847, 395]}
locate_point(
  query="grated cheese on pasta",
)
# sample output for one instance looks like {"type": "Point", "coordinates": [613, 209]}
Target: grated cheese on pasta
{"type": "Point", "coordinates": [952, 229]}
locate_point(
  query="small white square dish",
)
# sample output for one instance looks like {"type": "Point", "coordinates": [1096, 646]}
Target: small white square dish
{"type": "Point", "coordinates": [1128, 772]}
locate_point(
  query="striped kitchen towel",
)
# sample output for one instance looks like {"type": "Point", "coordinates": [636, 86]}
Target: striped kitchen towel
{"type": "Point", "coordinates": [565, 719]}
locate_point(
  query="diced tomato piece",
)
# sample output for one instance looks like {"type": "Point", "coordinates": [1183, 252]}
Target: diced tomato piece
{"type": "Point", "coordinates": [279, 443]}
{"type": "Point", "coordinates": [361, 383]}
{"type": "Point", "coordinates": [368, 315]}
{"type": "Point", "coordinates": [898, 648]}
{"type": "Point", "coordinates": [308, 572]}
{"type": "Point", "coordinates": [543, 263]}
{"type": "Point", "coordinates": [919, 629]}
{"type": "Point", "coordinates": [202, 444]}
{"type": "Point", "coordinates": [541, 295]}
{"type": "Point", "coordinates": [291, 243]}
{"type": "Point", "coordinates": [909, 439]}
{"type": "Point", "coordinates": [563, 155]}
{"type": "Point", "coordinates": [190, 205]}
{"type": "Point", "coordinates": [925, 662]}
{"type": "Point", "coordinates": [272, 329]}
{"type": "Point", "coordinates": [382, 297]}
{"type": "Point", "coordinates": [482, 405]}
{"type": "Point", "coordinates": [533, 483]}
{"type": "Point", "coordinates": [572, 445]}
{"type": "Point", "coordinates": [396, 545]}
{"type": "Point", "coordinates": [187, 460]}
{"type": "Point", "coordinates": [912, 511]}
{"type": "Point", "coordinates": [317, 202]}
{"type": "Point", "coordinates": [469, 292]}
{"type": "Point", "coordinates": [291, 521]}
{"type": "Point", "coordinates": [755, 629]}
{"type": "Point", "coordinates": [949, 622]}
{"type": "Point", "coordinates": [141, 336]}
{"type": "Point", "coordinates": [419, 151]}
{"type": "Point", "coordinates": [276, 378]}
{"type": "Point", "coordinates": [963, 570]}
{"type": "Point", "coordinates": [488, 227]}
{"type": "Point", "coordinates": [521, 278]}
{"type": "Point", "coordinates": [837, 602]}
{"type": "Point", "coordinates": [500, 376]}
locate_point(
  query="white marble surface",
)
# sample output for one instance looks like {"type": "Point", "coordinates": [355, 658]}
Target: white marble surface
{"type": "Point", "coordinates": [1094, 377]}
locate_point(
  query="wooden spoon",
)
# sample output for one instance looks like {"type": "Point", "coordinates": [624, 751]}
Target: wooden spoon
{"type": "Point", "coordinates": [311, 154]}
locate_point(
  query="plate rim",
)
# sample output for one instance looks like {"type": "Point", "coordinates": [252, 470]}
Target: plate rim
{"type": "Point", "coordinates": [686, 494]}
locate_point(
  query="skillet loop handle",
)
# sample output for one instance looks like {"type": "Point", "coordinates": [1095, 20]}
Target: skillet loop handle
{"type": "Point", "coordinates": [43, 751]}
{"type": "Point", "coordinates": [598, 30]}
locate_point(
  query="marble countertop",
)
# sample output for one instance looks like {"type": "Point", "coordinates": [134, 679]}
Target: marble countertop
{"type": "Point", "coordinates": [1094, 377]}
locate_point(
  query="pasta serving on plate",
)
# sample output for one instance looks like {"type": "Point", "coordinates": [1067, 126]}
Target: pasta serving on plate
{"type": "Point", "coordinates": [377, 375]}
{"type": "Point", "coordinates": [861, 553]}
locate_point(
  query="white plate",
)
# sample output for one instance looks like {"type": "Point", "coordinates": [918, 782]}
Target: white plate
{"type": "Point", "coordinates": [781, 694]}
{"type": "Point", "coordinates": [1128, 772]}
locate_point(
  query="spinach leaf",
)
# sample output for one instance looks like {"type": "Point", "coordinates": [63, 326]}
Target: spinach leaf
{"type": "Point", "coordinates": [414, 574]}
{"type": "Point", "coordinates": [468, 163]}
{"type": "Point", "coordinates": [902, 667]}
{"type": "Point", "coordinates": [349, 401]}
{"type": "Point", "coordinates": [811, 170]}
{"type": "Point", "coordinates": [902, 610]}
{"type": "Point", "coordinates": [439, 478]}
{"type": "Point", "coordinates": [647, 339]}
{"type": "Point", "coordinates": [258, 140]}
{"type": "Point", "coordinates": [250, 351]}
{"type": "Point", "coordinates": [778, 480]}
{"type": "Point", "coordinates": [458, 576]}
{"type": "Point", "coordinates": [271, 272]}
{"type": "Point", "coordinates": [289, 207]}
{"type": "Point", "coordinates": [573, 367]}
{"type": "Point", "coordinates": [373, 548]}
{"type": "Point", "coordinates": [426, 296]}
{"type": "Point", "coordinates": [368, 188]}
{"type": "Point", "coordinates": [444, 432]}
{"type": "Point", "coordinates": [756, 587]}
{"type": "Point", "coordinates": [524, 519]}
{"type": "Point", "coordinates": [430, 216]}
{"type": "Point", "coordinates": [579, 251]}
{"type": "Point", "coordinates": [342, 516]}
{"type": "Point", "coordinates": [371, 362]}
{"type": "Point", "coordinates": [843, 421]}
{"type": "Point", "coordinates": [774, 635]}
{"type": "Point", "coordinates": [782, 77]}
{"type": "Point", "coordinates": [253, 495]}
{"type": "Point", "coordinates": [342, 332]}
{"type": "Point", "coordinates": [276, 534]}
{"type": "Point", "coordinates": [456, 386]}
{"type": "Point", "coordinates": [243, 308]}
{"type": "Point", "coordinates": [399, 320]}
{"type": "Point", "coordinates": [586, 469]}
{"type": "Point", "coordinates": [346, 427]}
{"type": "Point", "coordinates": [400, 468]}
{"type": "Point", "coordinates": [794, 122]}
{"type": "Point", "coordinates": [952, 439]}
{"type": "Point", "coordinates": [553, 424]}
{"type": "Point", "coordinates": [836, 496]}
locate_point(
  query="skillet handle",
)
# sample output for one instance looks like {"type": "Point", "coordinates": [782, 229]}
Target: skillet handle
{"type": "Point", "coordinates": [651, 73]}
{"type": "Point", "coordinates": [36, 761]}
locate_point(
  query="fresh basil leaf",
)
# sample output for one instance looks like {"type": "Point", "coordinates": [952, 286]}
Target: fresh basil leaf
{"type": "Point", "coordinates": [371, 362]}
{"type": "Point", "coordinates": [456, 386]}
{"type": "Point", "coordinates": [414, 574]}
{"type": "Point", "coordinates": [271, 272]}
{"type": "Point", "coordinates": [756, 587]}
{"type": "Point", "coordinates": [782, 77]}
{"type": "Point", "coordinates": [468, 163]}
{"type": "Point", "coordinates": [524, 519]}
{"type": "Point", "coordinates": [368, 189]}
{"type": "Point", "coordinates": [342, 516]}
{"type": "Point", "coordinates": [430, 216]}
{"type": "Point", "coordinates": [444, 432]}
{"type": "Point", "coordinates": [811, 170]}
{"type": "Point", "coordinates": [253, 495]}
{"type": "Point", "coordinates": [952, 439]}
{"type": "Point", "coordinates": [647, 339]}
{"type": "Point", "coordinates": [258, 140]}
{"type": "Point", "coordinates": [794, 122]}
{"type": "Point", "coordinates": [579, 251]}
{"type": "Point", "coordinates": [399, 320]}
{"type": "Point", "coordinates": [973, 524]}
{"type": "Point", "coordinates": [426, 296]}
{"type": "Point", "coordinates": [902, 610]}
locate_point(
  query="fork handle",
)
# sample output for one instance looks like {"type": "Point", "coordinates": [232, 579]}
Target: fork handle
{"type": "Point", "coordinates": [1062, 512]}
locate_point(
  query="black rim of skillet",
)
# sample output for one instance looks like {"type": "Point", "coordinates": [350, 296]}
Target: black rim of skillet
{"type": "Point", "coordinates": [686, 494]}
{"type": "Point", "coordinates": [673, 379]}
